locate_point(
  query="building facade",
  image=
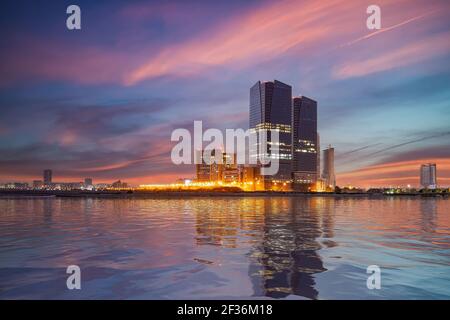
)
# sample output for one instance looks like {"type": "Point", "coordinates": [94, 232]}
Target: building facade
{"type": "Point", "coordinates": [250, 178]}
{"type": "Point", "coordinates": [270, 110]}
{"type": "Point", "coordinates": [47, 177]}
{"type": "Point", "coordinates": [202, 170]}
{"type": "Point", "coordinates": [219, 167]}
{"type": "Point", "coordinates": [304, 143]}
{"type": "Point", "coordinates": [328, 168]}
{"type": "Point", "coordinates": [230, 173]}
{"type": "Point", "coordinates": [428, 178]}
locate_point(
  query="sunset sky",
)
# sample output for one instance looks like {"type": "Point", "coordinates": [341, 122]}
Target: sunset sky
{"type": "Point", "coordinates": [102, 101]}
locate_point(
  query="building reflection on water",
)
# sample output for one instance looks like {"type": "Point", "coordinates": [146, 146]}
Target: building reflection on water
{"type": "Point", "coordinates": [428, 216]}
{"type": "Point", "coordinates": [286, 235]}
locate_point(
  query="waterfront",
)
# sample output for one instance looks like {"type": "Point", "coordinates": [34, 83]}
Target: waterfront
{"type": "Point", "coordinates": [208, 248]}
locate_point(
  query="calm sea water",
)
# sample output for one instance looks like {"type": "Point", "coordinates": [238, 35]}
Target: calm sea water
{"type": "Point", "coordinates": [208, 248]}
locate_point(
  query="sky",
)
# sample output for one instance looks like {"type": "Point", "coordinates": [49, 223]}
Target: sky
{"type": "Point", "coordinates": [102, 101]}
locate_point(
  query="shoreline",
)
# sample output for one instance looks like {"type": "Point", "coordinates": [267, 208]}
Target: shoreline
{"type": "Point", "coordinates": [5, 194]}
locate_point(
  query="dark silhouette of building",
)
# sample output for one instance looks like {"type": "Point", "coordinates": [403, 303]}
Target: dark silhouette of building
{"type": "Point", "coordinates": [47, 176]}
{"type": "Point", "coordinates": [304, 142]}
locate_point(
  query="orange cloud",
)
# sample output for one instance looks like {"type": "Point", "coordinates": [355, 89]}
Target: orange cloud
{"type": "Point", "coordinates": [395, 173]}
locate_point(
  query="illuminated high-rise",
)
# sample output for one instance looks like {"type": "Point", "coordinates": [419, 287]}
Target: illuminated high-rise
{"type": "Point", "coordinates": [270, 110]}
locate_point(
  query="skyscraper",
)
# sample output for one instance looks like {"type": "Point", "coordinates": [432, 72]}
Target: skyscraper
{"type": "Point", "coordinates": [428, 176]}
{"type": "Point", "coordinates": [270, 110]}
{"type": "Point", "coordinates": [47, 176]}
{"type": "Point", "coordinates": [304, 141]}
{"type": "Point", "coordinates": [328, 167]}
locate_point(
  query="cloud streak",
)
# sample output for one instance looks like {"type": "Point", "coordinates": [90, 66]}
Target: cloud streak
{"type": "Point", "coordinates": [247, 39]}
{"type": "Point", "coordinates": [408, 142]}
{"type": "Point", "coordinates": [370, 35]}
{"type": "Point", "coordinates": [394, 173]}
{"type": "Point", "coordinates": [421, 49]}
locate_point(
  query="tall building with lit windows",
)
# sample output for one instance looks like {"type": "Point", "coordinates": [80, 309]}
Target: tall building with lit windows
{"type": "Point", "coordinates": [270, 110]}
{"type": "Point", "coordinates": [428, 176]}
{"type": "Point", "coordinates": [304, 143]}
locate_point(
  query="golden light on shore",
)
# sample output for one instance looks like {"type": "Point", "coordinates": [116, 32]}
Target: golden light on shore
{"type": "Point", "coordinates": [194, 185]}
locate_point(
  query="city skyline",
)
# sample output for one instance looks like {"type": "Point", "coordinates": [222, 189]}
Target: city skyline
{"type": "Point", "coordinates": [101, 102]}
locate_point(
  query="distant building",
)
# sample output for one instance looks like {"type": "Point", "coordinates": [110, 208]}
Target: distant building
{"type": "Point", "coordinates": [88, 184]}
{"type": "Point", "coordinates": [38, 184]}
{"type": "Point", "coordinates": [328, 168]}
{"type": "Point", "coordinates": [47, 177]}
{"type": "Point", "coordinates": [208, 170]}
{"type": "Point", "coordinates": [119, 185]}
{"type": "Point", "coordinates": [15, 186]}
{"type": "Point", "coordinates": [216, 166]}
{"type": "Point", "coordinates": [203, 170]}
{"type": "Point", "coordinates": [230, 173]}
{"type": "Point", "coordinates": [219, 167]}
{"type": "Point", "coordinates": [67, 186]}
{"type": "Point", "coordinates": [270, 110]}
{"type": "Point", "coordinates": [184, 181]}
{"type": "Point", "coordinates": [304, 143]}
{"type": "Point", "coordinates": [428, 176]}
{"type": "Point", "coordinates": [321, 185]}
{"type": "Point", "coordinates": [102, 186]}
{"type": "Point", "coordinates": [250, 177]}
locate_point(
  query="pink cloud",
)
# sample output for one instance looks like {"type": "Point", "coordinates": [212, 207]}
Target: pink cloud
{"type": "Point", "coordinates": [386, 29]}
{"type": "Point", "coordinates": [270, 31]}
{"type": "Point", "coordinates": [410, 53]}
{"type": "Point", "coordinates": [29, 58]}
{"type": "Point", "coordinates": [394, 173]}
{"type": "Point", "coordinates": [252, 37]}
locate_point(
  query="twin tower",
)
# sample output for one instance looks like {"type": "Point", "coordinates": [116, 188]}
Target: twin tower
{"type": "Point", "coordinates": [272, 107]}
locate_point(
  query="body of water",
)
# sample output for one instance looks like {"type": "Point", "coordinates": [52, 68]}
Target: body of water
{"type": "Point", "coordinates": [238, 248]}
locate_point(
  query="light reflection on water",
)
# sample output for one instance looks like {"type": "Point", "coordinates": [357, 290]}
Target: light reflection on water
{"type": "Point", "coordinates": [203, 248]}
